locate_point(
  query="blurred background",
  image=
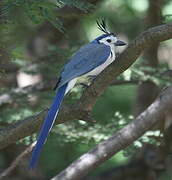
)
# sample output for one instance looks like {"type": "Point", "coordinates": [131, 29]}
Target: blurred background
{"type": "Point", "coordinates": [36, 40]}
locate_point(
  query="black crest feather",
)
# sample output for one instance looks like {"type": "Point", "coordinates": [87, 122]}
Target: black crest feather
{"type": "Point", "coordinates": [102, 26]}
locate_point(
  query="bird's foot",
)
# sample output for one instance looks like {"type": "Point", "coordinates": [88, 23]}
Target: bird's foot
{"type": "Point", "coordinates": [84, 85]}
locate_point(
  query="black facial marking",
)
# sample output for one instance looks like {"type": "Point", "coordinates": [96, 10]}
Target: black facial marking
{"type": "Point", "coordinates": [111, 54]}
{"type": "Point", "coordinates": [109, 40]}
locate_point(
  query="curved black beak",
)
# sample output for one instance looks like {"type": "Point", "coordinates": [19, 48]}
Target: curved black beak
{"type": "Point", "coordinates": [120, 43]}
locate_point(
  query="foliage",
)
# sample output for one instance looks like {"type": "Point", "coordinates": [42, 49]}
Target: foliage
{"type": "Point", "coordinates": [40, 10]}
{"type": "Point", "coordinates": [161, 76]}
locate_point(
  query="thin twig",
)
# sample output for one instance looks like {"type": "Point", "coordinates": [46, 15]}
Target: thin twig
{"type": "Point", "coordinates": [14, 164]}
{"type": "Point", "coordinates": [10, 96]}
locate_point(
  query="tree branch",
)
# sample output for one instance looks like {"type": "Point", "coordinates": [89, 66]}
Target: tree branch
{"type": "Point", "coordinates": [10, 97]}
{"type": "Point", "coordinates": [28, 126]}
{"type": "Point", "coordinates": [82, 108]}
{"type": "Point", "coordinates": [103, 151]}
{"type": "Point", "coordinates": [15, 163]}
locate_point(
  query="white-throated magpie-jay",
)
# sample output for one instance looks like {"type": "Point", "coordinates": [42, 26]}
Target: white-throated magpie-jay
{"type": "Point", "coordinates": [89, 60]}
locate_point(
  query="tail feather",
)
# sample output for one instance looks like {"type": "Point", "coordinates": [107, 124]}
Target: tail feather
{"type": "Point", "coordinates": [47, 125]}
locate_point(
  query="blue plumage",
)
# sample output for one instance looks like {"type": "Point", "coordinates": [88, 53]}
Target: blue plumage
{"type": "Point", "coordinates": [91, 59]}
{"type": "Point", "coordinates": [86, 59]}
{"type": "Point", "coordinates": [48, 123]}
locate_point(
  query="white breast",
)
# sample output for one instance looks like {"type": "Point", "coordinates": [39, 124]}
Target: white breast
{"type": "Point", "coordinates": [100, 68]}
{"type": "Point", "coordinates": [95, 71]}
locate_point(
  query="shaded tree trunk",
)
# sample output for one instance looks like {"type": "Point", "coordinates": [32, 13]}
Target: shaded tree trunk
{"type": "Point", "coordinates": [148, 91]}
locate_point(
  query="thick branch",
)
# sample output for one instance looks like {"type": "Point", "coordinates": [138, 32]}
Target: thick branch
{"type": "Point", "coordinates": [120, 140]}
{"type": "Point", "coordinates": [28, 126]}
{"type": "Point", "coordinates": [82, 108]}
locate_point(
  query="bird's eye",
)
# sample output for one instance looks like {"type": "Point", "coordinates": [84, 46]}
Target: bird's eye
{"type": "Point", "coordinates": [108, 40]}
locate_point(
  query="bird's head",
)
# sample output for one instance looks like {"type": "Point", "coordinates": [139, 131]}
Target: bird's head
{"type": "Point", "coordinates": [108, 38]}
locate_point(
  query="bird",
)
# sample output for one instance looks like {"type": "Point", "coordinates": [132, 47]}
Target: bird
{"type": "Point", "coordinates": [89, 60]}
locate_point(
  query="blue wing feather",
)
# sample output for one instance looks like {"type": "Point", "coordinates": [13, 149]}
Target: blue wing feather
{"type": "Point", "coordinates": [48, 122]}
{"type": "Point", "coordinates": [86, 59]}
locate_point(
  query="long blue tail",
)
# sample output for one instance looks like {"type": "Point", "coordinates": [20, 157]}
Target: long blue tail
{"type": "Point", "coordinates": [48, 123]}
